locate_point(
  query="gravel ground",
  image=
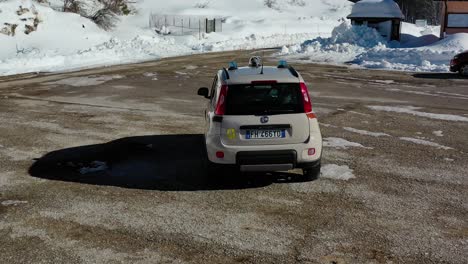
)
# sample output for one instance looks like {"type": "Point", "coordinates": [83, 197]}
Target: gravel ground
{"type": "Point", "coordinates": [107, 166]}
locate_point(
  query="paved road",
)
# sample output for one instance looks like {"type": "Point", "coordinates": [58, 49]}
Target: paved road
{"type": "Point", "coordinates": [106, 166]}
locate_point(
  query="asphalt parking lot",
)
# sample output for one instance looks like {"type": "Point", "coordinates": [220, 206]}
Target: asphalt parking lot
{"type": "Point", "coordinates": [107, 166]}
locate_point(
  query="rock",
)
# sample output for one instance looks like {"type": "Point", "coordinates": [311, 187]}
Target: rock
{"type": "Point", "coordinates": [22, 11]}
{"type": "Point", "coordinates": [29, 29]}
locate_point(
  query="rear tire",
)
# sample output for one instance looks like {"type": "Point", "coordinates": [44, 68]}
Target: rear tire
{"type": "Point", "coordinates": [464, 70]}
{"type": "Point", "coordinates": [310, 174]}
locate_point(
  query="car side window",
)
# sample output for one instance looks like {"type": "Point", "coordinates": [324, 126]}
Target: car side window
{"type": "Point", "coordinates": [213, 90]}
{"type": "Point", "coordinates": [213, 87]}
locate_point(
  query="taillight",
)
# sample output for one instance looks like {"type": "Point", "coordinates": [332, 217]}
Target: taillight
{"type": "Point", "coordinates": [221, 105]}
{"type": "Point", "coordinates": [306, 98]}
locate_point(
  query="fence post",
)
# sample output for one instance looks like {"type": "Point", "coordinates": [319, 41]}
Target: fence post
{"type": "Point", "coordinates": [199, 29]}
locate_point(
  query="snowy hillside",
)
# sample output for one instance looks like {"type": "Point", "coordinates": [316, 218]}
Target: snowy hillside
{"type": "Point", "coordinates": [64, 41]}
{"type": "Point", "coordinates": [38, 37]}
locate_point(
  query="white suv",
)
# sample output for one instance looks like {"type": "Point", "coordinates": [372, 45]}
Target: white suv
{"type": "Point", "coordinates": [260, 119]}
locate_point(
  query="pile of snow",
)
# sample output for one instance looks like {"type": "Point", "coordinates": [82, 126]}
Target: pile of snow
{"type": "Point", "coordinates": [413, 36]}
{"type": "Point", "coordinates": [64, 41]}
{"type": "Point", "coordinates": [362, 46]}
{"type": "Point", "coordinates": [345, 44]}
{"type": "Point", "coordinates": [435, 57]}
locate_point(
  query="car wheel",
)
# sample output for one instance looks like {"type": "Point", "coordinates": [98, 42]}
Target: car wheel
{"type": "Point", "coordinates": [464, 70]}
{"type": "Point", "coordinates": [311, 174]}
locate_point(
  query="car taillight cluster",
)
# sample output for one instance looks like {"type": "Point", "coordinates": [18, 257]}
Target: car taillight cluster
{"type": "Point", "coordinates": [306, 98]}
{"type": "Point", "coordinates": [221, 106]}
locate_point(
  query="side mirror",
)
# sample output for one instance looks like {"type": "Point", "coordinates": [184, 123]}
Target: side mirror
{"type": "Point", "coordinates": [205, 92]}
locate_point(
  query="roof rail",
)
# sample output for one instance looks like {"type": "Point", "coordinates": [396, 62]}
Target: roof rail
{"type": "Point", "coordinates": [293, 71]}
{"type": "Point", "coordinates": [232, 66]}
{"type": "Point", "coordinates": [226, 73]}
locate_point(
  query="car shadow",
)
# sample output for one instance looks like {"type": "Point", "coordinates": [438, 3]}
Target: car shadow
{"type": "Point", "coordinates": [440, 76]}
{"type": "Point", "coordinates": [162, 162]}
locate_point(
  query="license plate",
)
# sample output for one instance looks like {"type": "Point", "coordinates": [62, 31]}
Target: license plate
{"type": "Point", "coordinates": [265, 134]}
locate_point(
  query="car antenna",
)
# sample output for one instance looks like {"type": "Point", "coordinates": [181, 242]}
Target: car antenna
{"type": "Point", "coordinates": [263, 56]}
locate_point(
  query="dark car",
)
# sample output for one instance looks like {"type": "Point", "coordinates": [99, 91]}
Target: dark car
{"type": "Point", "coordinates": [459, 63]}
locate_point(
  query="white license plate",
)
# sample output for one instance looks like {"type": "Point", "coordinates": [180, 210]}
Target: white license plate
{"type": "Point", "coordinates": [265, 134]}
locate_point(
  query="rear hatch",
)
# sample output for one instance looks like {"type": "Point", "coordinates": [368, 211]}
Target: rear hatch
{"type": "Point", "coordinates": [264, 113]}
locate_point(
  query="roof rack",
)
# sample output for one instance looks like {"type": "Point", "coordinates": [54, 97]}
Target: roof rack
{"type": "Point", "coordinates": [226, 73]}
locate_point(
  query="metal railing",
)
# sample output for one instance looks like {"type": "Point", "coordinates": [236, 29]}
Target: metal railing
{"type": "Point", "coordinates": [184, 25]}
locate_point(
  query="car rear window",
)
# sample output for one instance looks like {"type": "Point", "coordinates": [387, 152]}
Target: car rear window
{"type": "Point", "coordinates": [264, 99]}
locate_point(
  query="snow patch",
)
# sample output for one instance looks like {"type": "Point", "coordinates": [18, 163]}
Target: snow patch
{"type": "Point", "coordinates": [438, 133]}
{"type": "Point", "coordinates": [340, 143]}
{"type": "Point", "coordinates": [337, 172]}
{"type": "Point", "coordinates": [425, 142]}
{"type": "Point", "coordinates": [412, 111]}
{"type": "Point", "coordinates": [86, 81]}
{"type": "Point", "coordinates": [366, 133]}
{"type": "Point", "coordinates": [385, 81]}
{"type": "Point", "coordinates": [13, 202]}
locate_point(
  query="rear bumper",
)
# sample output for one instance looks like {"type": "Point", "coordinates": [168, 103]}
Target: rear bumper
{"type": "Point", "coordinates": [266, 157]}
{"type": "Point", "coordinates": [264, 161]}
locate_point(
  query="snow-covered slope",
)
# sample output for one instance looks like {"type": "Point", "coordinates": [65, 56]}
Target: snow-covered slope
{"type": "Point", "coordinates": [64, 41]}
{"type": "Point", "coordinates": [46, 39]}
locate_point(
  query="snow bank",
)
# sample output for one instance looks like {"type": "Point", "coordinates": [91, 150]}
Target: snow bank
{"type": "Point", "coordinates": [345, 44]}
{"type": "Point", "coordinates": [365, 47]}
{"type": "Point", "coordinates": [435, 57]}
{"type": "Point", "coordinates": [64, 41]}
{"type": "Point", "coordinates": [114, 51]}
